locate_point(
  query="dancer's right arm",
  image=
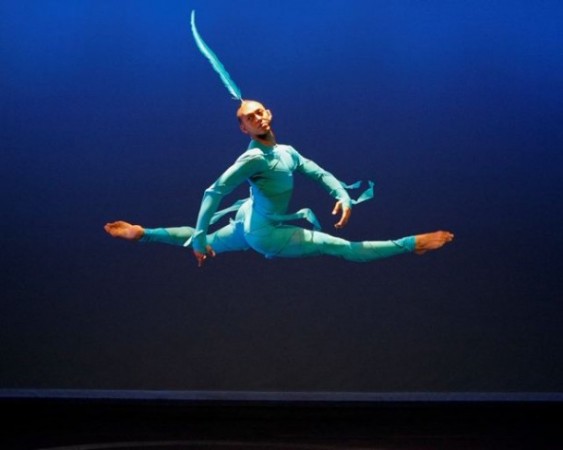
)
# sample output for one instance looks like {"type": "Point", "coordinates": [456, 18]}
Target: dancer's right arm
{"type": "Point", "coordinates": [248, 164]}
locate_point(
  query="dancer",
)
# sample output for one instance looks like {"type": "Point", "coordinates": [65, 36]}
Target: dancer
{"type": "Point", "coordinates": [261, 221]}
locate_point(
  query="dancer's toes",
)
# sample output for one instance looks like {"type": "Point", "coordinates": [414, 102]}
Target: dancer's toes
{"type": "Point", "coordinates": [124, 230]}
{"type": "Point", "coordinates": [432, 241]}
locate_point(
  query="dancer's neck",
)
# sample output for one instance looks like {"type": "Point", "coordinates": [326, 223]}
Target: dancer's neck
{"type": "Point", "coordinates": [268, 139]}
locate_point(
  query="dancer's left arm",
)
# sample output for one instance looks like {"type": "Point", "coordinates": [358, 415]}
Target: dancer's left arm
{"type": "Point", "coordinates": [330, 183]}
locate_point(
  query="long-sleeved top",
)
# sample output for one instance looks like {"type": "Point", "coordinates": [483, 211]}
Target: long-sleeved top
{"type": "Point", "coordinates": [269, 170]}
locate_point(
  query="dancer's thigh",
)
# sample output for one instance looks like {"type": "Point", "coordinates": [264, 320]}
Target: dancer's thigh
{"type": "Point", "coordinates": [294, 242]}
{"type": "Point", "coordinates": [230, 238]}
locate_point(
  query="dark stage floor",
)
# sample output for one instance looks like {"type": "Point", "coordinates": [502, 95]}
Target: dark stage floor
{"type": "Point", "coordinates": [36, 421]}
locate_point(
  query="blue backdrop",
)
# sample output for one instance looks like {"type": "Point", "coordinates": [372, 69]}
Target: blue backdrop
{"type": "Point", "coordinates": [455, 109]}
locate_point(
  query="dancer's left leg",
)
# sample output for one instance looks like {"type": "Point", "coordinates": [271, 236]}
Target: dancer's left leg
{"type": "Point", "coordinates": [298, 242]}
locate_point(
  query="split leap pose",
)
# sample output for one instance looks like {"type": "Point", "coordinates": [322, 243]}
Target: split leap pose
{"type": "Point", "coordinates": [261, 220]}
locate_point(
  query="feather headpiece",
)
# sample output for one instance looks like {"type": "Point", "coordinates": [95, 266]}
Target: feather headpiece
{"type": "Point", "coordinates": [215, 62]}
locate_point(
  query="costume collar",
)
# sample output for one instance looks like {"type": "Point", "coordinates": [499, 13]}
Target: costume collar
{"type": "Point", "coordinates": [263, 147]}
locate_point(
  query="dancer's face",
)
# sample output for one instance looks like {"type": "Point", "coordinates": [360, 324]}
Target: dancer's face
{"type": "Point", "coordinates": [254, 118]}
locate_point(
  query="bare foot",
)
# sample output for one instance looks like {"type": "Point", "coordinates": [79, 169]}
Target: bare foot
{"type": "Point", "coordinates": [431, 241]}
{"type": "Point", "coordinates": [124, 230]}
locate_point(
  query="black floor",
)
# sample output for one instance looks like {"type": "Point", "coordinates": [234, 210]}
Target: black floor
{"type": "Point", "coordinates": [88, 424]}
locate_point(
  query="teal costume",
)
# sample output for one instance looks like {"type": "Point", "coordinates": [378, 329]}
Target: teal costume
{"type": "Point", "coordinates": [261, 220]}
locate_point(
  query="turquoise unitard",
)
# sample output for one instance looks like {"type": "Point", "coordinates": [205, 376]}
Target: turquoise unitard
{"type": "Point", "coordinates": [261, 221]}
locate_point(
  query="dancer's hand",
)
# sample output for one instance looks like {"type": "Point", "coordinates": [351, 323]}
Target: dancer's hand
{"type": "Point", "coordinates": [346, 212]}
{"type": "Point", "coordinates": [201, 257]}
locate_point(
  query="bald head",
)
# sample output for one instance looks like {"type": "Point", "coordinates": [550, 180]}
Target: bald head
{"type": "Point", "coordinates": [248, 106]}
{"type": "Point", "coordinates": [254, 119]}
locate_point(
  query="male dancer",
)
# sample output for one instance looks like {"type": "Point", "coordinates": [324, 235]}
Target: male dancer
{"type": "Point", "coordinates": [261, 220]}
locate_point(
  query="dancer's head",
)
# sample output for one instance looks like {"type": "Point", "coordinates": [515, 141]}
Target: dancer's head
{"type": "Point", "coordinates": [254, 118]}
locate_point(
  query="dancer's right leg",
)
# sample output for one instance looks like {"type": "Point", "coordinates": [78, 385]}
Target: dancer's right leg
{"type": "Point", "coordinates": [172, 236]}
{"type": "Point", "coordinates": [227, 239]}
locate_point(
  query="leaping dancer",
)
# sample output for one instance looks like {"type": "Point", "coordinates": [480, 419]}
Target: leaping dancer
{"type": "Point", "coordinates": [261, 221]}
